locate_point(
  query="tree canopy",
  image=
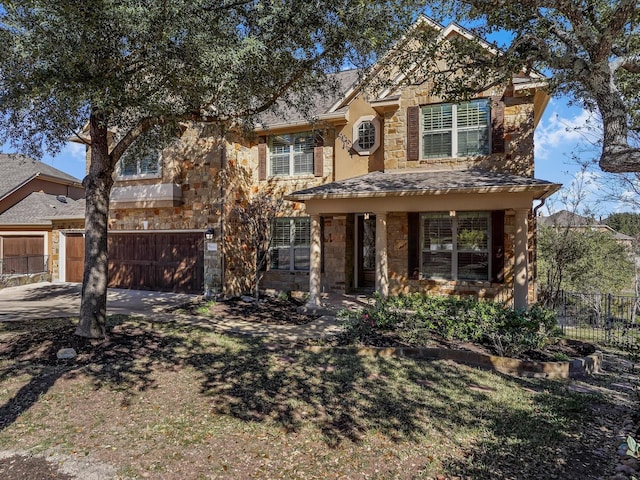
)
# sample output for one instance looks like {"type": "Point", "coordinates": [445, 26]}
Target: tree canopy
{"type": "Point", "coordinates": [589, 48]}
{"type": "Point", "coordinates": [129, 72]}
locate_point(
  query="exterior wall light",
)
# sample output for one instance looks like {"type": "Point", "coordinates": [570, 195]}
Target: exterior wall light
{"type": "Point", "coordinates": [208, 234]}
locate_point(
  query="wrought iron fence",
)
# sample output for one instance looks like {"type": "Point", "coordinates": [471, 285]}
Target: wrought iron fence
{"type": "Point", "coordinates": [606, 319]}
{"type": "Point", "coordinates": [24, 265]}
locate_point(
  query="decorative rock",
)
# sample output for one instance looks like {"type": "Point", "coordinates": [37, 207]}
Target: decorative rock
{"type": "Point", "coordinates": [66, 353]}
{"type": "Point", "coordinates": [247, 299]}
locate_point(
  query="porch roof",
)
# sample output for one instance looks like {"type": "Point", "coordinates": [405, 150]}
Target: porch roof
{"type": "Point", "coordinates": [402, 183]}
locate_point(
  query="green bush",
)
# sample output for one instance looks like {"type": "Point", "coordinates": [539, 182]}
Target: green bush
{"type": "Point", "coordinates": [416, 318]}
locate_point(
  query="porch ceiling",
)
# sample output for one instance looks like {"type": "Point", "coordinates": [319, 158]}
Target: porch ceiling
{"type": "Point", "coordinates": [421, 190]}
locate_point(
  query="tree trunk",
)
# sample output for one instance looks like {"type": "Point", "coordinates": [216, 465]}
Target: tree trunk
{"type": "Point", "coordinates": [617, 155]}
{"type": "Point", "coordinates": [97, 185]}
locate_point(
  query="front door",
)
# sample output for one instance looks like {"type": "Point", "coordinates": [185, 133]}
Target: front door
{"type": "Point", "coordinates": [365, 251]}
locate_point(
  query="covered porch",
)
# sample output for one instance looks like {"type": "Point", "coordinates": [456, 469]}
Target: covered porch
{"type": "Point", "coordinates": [407, 209]}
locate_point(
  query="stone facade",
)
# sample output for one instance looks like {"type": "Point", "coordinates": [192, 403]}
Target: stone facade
{"type": "Point", "coordinates": [219, 182]}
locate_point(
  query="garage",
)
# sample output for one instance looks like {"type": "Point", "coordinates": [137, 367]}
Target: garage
{"type": "Point", "coordinates": [161, 261]}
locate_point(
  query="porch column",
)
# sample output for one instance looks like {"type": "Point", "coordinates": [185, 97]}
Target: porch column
{"type": "Point", "coordinates": [314, 263]}
{"type": "Point", "coordinates": [521, 264]}
{"type": "Point", "coordinates": [382, 268]}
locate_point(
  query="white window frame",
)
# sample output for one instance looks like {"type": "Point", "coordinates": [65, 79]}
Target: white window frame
{"type": "Point", "coordinates": [456, 129]}
{"type": "Point", "coordinates": [375, 123]}
{"type": "Point", "coordinates": [291, 153]}
{"type": "Point", "coordinates": [454, 248]}
{"type": "Point", "coordinates": [295, 224]}
{"type": "Point", "coordinates": [139, 175]}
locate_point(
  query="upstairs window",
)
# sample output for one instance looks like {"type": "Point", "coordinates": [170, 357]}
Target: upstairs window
{"type": "Point", "coordinates": [455, 130]}
{"type": "Point", "coordinates": [146, 166]}
{"type": "Point", "coordinates": [290, 244]}
{"type": "Point", "coordinates": [291, 154]}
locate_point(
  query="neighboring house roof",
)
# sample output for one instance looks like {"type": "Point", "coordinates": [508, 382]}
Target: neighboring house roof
{"type": "Point", "coordinates": [420, 182]}
{"type": "Point", "coordinates": [565, 218]}
{"type": "Point", "coordinates": [16, 170]}
{"type": "Point", "coordinates": [40, 208]}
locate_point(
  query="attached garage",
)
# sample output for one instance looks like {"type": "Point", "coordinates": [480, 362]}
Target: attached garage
{"type": "Point", "coordinates": [161, 261]}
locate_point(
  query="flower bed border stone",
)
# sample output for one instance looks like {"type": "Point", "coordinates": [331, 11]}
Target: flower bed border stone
{"type": "Point", "coordinates": [575, 368]}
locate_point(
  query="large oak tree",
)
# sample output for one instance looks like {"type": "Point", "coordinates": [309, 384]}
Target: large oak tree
{"type": "Point", "coordinates": [124, 73]}
{"type": "Point", "coordinates": [589, 48]}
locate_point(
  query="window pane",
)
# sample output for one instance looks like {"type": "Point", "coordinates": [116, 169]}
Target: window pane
{"type": "Point", "coordinates": [473, 142]}
{"type": "Point", "coordinates": [436, 264]}
{"type": "Point", "coordinates": [280, 164]}
{"type": "Point", "coordinates": [150, 164]}
{"type": "Point", "coordinates": [301, 258]}
{"type": "Point", "coordinates": [436, 145]}
{"type": "Point", "coordinates": [438, 233]}
{"type": "Point", "coordinates": [280, 258]}
{"type": "Point", "coordinates": [302, 228]}
{"type": "Point", "coordinates": [437, 117]}
{"type": "Point", "coordinates": [281, 236]}
{"type": "Point", "coordinates": [437, 246]}
{"type": "Point", "coordinates": [473, 232]}
{"type": "Point", "coordinates": [303, 163]}
{"type": "Point", "coordinates": [473, 266]}
{"type": "Point", "coordinates": [366, 135]}
{"type": "Point", "coordinates": [473, 114]}
{"type": "Point", "coordinates": [128, 166]}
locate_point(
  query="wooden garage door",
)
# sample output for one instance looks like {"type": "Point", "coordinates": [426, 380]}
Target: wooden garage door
{"type": "Point", "coordinates": [23, 255]}
{"type": "Point", "coordinates": [166, 262]}
{"type": "Point", "coordinates": [74, 257]}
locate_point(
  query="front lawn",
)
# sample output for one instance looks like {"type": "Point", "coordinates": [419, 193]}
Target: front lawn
{"type": "Point", "coordinates": [176, 401]}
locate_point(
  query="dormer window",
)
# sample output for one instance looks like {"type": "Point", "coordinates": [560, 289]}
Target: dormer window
{"type": "Point", "coordinates": [366, 135]}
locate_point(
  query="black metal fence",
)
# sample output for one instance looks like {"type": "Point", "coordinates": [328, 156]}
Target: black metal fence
{"type": "Point", "coordinates": [24, 265]}
{"type": "Point", "coordinates": [606, 319]}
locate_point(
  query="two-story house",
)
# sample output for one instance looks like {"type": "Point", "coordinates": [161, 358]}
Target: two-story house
{"type": "Point", "coordinates": [393, 191]}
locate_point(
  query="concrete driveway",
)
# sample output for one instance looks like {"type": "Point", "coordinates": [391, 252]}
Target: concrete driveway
{"type": "Point", "coordinates": [52, 300]}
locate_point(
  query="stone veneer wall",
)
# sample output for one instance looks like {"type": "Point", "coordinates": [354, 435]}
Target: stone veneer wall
{"type": "Point", "coordinates": [195, 164]}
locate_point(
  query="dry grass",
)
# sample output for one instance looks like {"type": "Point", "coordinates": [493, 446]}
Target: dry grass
{"type": "Point", "coordinates": [174, 401]}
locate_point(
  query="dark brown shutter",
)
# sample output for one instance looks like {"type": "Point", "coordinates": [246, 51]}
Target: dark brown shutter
{"type": "Point", "coordinates": [413, 245]}
{"type": "Point", "coordinates": [497, 246]}
{"type": "Point", "coordinates": [262, 159]}
{"type": "Point", "coordinates": [497, 125]}
{"type": "Point", "coordinates": [413, 133]}
{"type": "Point", "coordinates": [318, 161]}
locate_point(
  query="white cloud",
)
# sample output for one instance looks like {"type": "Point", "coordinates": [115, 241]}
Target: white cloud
{"type": "Point", "coordinates": [559, 134]}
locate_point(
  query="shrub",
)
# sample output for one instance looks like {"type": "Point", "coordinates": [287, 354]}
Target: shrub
{"type": "Point", "coordinates": [416, 318]}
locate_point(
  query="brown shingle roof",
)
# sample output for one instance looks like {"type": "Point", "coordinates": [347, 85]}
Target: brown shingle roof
{"type": "Point", "coordinates": [40, 208]}
{"type": "Point", "coordinates": [399, 183]}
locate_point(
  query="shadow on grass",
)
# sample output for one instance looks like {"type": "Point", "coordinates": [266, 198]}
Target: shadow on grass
{"type": "Point", "coordinates": [342, 395]}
